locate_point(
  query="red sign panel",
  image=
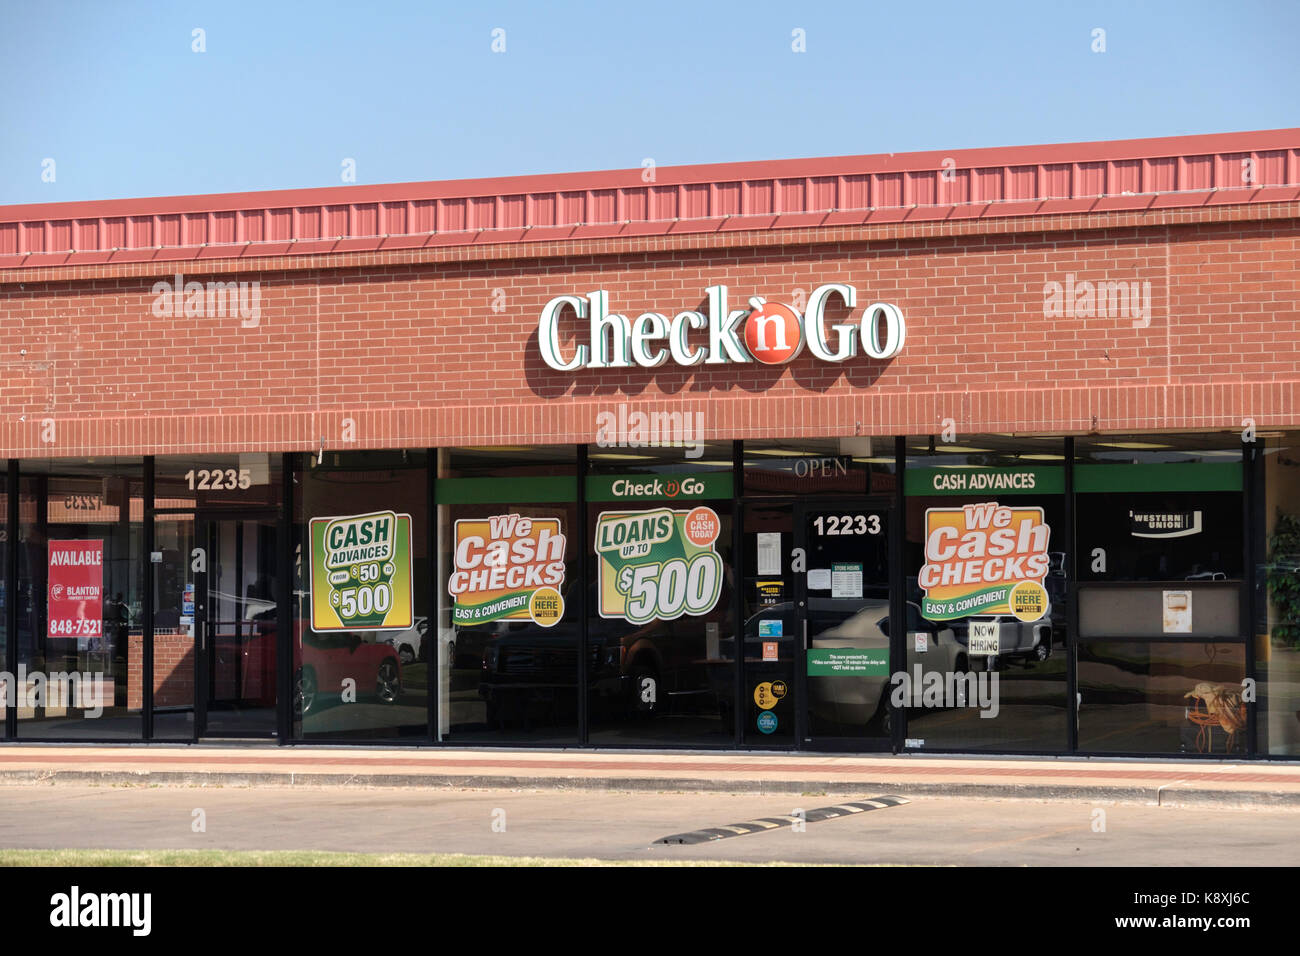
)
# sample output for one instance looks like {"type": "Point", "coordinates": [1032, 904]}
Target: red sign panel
{"type": "Point", "coordinates": [76, 589]}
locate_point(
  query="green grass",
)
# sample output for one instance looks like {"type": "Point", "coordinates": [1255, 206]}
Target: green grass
{"type": "Point", "coordinates": [312, 858]}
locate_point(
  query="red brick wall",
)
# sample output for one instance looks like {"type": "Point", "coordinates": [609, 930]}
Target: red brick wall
{"type": "Point", "coordinates": [407, 344]}
{"type": "Point", "coordinates": [173, 671]}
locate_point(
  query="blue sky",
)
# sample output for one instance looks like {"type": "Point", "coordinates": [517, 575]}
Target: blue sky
{"type": "Point", "coordinates": [284, 93]}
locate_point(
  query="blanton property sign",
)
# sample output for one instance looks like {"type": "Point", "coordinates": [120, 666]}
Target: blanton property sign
{"type": "Point", "coordinates": [361, 572]}
{"type": "Point", "coordinates": [985, 559]}
{"type": "Point", "coordinates": [76, 607]}
{"type": "Point", "coordinates": [772, 333]}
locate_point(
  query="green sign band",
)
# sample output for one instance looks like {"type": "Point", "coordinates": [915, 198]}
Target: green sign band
{"type": "Point", "coordinates": [484, 491]}
{"type": "Point", "coordinates": [1167, 476]}
{"type": "Point", "coordinates": [667, 487]}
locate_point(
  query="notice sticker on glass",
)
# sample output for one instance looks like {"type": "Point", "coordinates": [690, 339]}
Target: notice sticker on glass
{"type": "Point", "coordinates": [769, 552]}
{"type": "Point", "coordinates": [771, 629]}
{"type": "Point", "coordinates": [984, 638]}
{"type": "Point", "coordinates": [846, 580]}
{"type": "Point", "coordinates": [819, 579]}
{"type": "Point", "coordinates": [1178, 612]}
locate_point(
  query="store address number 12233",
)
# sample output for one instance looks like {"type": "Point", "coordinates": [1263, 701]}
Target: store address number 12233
{"type": "Point", "coordinates": [847, 524]}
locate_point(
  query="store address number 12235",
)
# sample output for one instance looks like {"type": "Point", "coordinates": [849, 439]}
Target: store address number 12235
{"type": "Point", "coordinates": [218, 479]}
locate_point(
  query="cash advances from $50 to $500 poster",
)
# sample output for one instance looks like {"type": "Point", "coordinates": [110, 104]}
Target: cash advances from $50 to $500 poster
{"type": "Point", "coordinates": [658, 564]}
{"type": "Point", "coordinates": [361, 572]}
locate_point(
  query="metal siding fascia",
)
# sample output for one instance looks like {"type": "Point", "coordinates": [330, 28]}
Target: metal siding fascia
{"type": "Point", "coordinates": [769, 194]}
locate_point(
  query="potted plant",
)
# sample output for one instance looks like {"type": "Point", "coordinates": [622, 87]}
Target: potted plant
{"type": "Point", "coordinates": [1284, 579]}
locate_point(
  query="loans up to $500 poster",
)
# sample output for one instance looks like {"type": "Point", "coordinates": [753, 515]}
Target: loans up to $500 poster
{"type": "Point", "coordinates": [658, 564]}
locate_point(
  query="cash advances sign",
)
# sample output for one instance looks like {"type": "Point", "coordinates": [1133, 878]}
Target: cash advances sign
{"type": "Point", "coordinates": [771, 333]}
{"type": "Point", "coordinates": [361, 572]}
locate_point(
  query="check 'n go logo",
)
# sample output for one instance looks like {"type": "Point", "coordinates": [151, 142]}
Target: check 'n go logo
{"type": "Point", "coordinates": [773, 331]}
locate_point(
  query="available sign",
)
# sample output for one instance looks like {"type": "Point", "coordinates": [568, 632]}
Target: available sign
{"type": "Point", "coordinates": [76, 590]}
{"type": "Point", "coordinates": [773, 333]}
{"type": "Point", "coordinates": [848, 662]}
{"type": "Point", "coordinates": [361, 572]}
{"type": "Point", "coordinates": [508, 567]}
{"type": "Point", "coordinates": [658, 564]}
{"type": "Point", "coordinates": [985, 559]}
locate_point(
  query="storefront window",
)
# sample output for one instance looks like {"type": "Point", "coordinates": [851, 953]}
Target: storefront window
{"type": "Point", "coordinates": [661, 626]}
{"type": "Point", "coordinates": [1161, 649]}
{"type": "Point", "coordinates": [174, 625]}
{"type": "Point", "coordinates": [1277, 581]}
{"type": "Point", "coordinates": [509, 618]}
{"type": "Point", "coordinates": [80, 636]}
{"type": "Point", "coordinates": [1152, 697]}
{"type": "Point", "coordinates": [816, 592]}
{"type": "Point", "coordinates": [848, 466]}
{"type": "Point", "coordinates": [217, 562]}
{"type": "Point", "coordinates": [362, 645]}
{"type": "Point", "coordinates": [7, 682]}
{"type": "Point", "coordinates": [987, 657]}
{"type": "Point", "coordinates": [1159, 508]}
{"type": "Point", "coordinates": [773, 625]}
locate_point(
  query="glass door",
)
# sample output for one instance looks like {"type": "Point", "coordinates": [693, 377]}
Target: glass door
{"type": "Point", "coordinates": [773, 623]}
{"type": "Point", "coordinates": [237, 623]}
{"type": "Point", "coordinates": [842, 593]}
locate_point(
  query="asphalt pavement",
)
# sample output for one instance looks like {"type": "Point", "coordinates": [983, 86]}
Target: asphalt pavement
{"type": "Point", "coordinates": [628, 826]}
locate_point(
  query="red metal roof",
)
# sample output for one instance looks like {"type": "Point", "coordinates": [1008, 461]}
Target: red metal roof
{"type": "Point", "coordinates": [1172, 172]}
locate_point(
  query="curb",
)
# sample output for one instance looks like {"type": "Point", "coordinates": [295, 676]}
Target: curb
{"type": "Point", "coordinates": [1147, 795]}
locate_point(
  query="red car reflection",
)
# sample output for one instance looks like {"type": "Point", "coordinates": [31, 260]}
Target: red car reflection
{"type": "Point", "coordinates": [322, 662]}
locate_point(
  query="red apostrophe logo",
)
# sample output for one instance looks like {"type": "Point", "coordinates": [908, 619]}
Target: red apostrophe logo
{"type": "Point", "coordinates": [773, 332]}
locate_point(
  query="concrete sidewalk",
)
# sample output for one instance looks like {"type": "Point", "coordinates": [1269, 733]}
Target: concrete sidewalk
{"type": "Point", "coordinates": [1150, 782]}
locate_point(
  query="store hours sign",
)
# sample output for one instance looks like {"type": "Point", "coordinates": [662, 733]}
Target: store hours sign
{"type": "Point", "coordinates": [361, 572]}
